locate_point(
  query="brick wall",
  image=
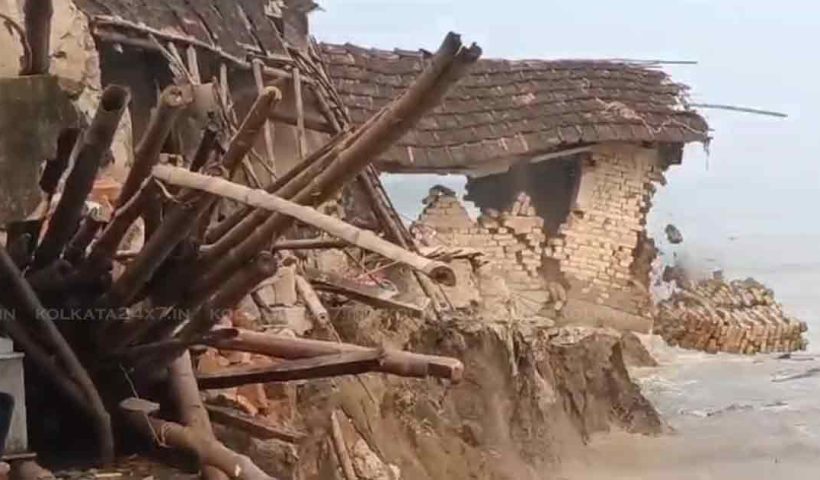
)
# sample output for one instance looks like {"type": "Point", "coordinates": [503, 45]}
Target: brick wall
{"type": "Point", "coordinates": [512, 241]}
{"type": "Point", "coordinates": [596, 245]}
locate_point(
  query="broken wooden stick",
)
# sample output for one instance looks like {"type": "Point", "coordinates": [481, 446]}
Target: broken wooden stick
{"type": "Point", "coordinates": [209, 451]}
{"type": "Point", "coordinates": [310, 244]}
{"type": "Point", "coordinates": [345, 363]}
{"type": "Point", "coordinates": [396, 362]}
{"type": "Point", "coordinates": [169, 106]}
{"type": "Point", "coordinates": [365, 239]}
{"type": "Point", "coordinates": [312, 301]}
{"type": "Point", "coordinates": [95, 144]}
{"type": "Point", "coordinates": [340, 447]}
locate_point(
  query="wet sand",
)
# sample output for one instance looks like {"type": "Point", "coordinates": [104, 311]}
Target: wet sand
{"type": "Point", "coordinates": [730, 418]}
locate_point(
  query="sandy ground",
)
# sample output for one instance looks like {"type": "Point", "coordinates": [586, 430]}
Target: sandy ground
{"type": "Point", "coordinates": [729, 417]}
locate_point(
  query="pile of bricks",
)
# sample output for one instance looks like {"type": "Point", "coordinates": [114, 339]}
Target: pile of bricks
{"type": "Point", "coordinates": [736, 317]}
{"type": "Point", "coordinates": [512, 241]}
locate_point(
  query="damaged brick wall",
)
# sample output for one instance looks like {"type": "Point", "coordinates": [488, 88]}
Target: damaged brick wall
{"type": "Point", "coordinates": [597, 244]}
{"type": "Point", "coordinates": [511, 241]}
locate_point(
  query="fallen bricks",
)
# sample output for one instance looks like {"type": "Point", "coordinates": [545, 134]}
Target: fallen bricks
{"type": "Point", "coordinates": [736, 317]}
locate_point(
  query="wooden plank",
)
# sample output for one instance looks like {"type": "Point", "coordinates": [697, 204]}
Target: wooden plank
{"type": "Point", "coordinates": [254, 427]}
{"type": "Point", "coordinates": [347, 363]}
{"type": "Point", "coordinates": [373, 296]}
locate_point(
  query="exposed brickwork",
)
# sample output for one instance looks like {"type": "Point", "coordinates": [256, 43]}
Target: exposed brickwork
{"type": "Point", "coordinates": [736, 317]}
{"type": "Point", "coordinates": [512, 241]}
{"type": "Point", "coordinates": [597, 243]}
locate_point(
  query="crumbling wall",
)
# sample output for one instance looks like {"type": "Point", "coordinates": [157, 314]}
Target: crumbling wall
{"type": "Point", "coordinates": [511, 242]}
{"type": "Point", "coordinates": [75, 63]}
{"type": "Point", "coordinates": [551, 184]}
{"type": "Point", "coordinates": [597, 245]}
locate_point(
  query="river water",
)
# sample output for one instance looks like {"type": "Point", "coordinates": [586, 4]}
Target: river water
{"type": "Point", "coordinates": [729, 417]}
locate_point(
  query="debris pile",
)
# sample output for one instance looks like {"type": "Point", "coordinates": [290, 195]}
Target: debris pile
{"type": "Point", "coordinates": [735, 317]}
{"type": "Point", "coordinates": [144, 309]}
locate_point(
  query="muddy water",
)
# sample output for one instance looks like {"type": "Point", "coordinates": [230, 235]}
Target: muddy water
{"type": "Point", "coordinates": [730, 417]}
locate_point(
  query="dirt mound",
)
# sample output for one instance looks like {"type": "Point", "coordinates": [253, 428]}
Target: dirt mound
{"type": "Point", "coordinates": [528, 393]}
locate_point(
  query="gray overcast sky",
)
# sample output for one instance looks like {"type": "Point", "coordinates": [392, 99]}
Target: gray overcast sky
{"type": "Point", "coordinates": [762, 174]}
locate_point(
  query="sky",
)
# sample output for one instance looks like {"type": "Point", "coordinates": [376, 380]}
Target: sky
{"type": "Point", "coordinates": [759, 180]}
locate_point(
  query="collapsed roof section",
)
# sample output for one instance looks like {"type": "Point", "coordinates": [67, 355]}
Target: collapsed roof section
{"type": "Point", "coordinates": [514, 109]}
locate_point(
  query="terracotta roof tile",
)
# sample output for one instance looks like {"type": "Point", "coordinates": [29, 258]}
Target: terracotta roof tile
{"type": "Point", "coordinates": [505, 108]}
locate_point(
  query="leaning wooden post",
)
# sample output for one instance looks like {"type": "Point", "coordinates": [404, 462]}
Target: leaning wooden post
{"type": "Point", "coordinates": [96, 142]}
{"type": "Point", "coordinates": [37, 20]}
{"type": "Point", "coordinates": [26, 296]}
{"type": "Point", "coordinates": [269, 126]}
{"type": "Point", "coordinates": [189, 404]}
{"type": "Point", "coordinates": [171, 102]}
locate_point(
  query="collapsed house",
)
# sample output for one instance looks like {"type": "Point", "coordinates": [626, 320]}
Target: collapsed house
{"type": "Point", "coordinates": [189, 183]}
{"type": "Point", "coordinates": [581, 144]}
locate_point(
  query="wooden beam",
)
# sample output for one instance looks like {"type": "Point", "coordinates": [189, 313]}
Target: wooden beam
{"type": "Point", "coordinates": [301, 140]}
{"type": "Point", "coordinates": [347, 363]}
{"type": "Point", "coordinates": [438, 271]}
{"type": "Point", "coordinates": [396, 362]}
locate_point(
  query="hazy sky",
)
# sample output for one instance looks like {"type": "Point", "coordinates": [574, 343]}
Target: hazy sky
{"type": "Point", "coordinates": [761, 176]}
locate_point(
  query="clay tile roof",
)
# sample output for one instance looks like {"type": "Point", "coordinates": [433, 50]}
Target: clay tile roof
{"type": "Point", "coordinates": [514, 108]}
{"type": "Point", "coordinates": [235, 26]}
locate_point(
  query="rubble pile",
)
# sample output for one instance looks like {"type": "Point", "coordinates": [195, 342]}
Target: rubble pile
{"type": "Point", "coordinates": [735, 317]}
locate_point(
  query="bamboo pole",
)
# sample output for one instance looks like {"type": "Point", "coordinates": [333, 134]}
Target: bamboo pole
{"type": "Point", "coordinates": [32, 306]}
{"type": "Point", "coordinates": [396, 362]}
{"type": "Point", "coordinates": [340, 447]}
{"type": "Point", "coordinates": [104, 249]}
{"type": "Point", "coordinates": [310, 244]}
{"type": "Point", "coordinates": [446, 67]}
{"type": "Point", "coordinates": [208, 450]}
{"type": "Point", "coordinates": [301, 141]}
{"type": "Point", "coordinates": [76, 248]}
{"type": "Point", "coordinates": [269, 126]}
{"type": "Point", "coordinates": [37, 21]}
{"type": "Point", "coordinates": [253, 123]}
{"type": "Point", "coordinates": [365, 239]}
{"type": "Point", "coordinates": [96, 142]}
{"type": "Point", "coordinates": [189, 404]}
{"type": "Point", "coordinates": [170, 104]}
{"type": "Point", "coordinates": [312, 301]}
